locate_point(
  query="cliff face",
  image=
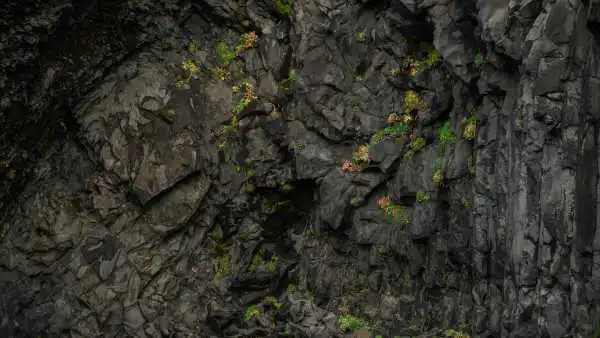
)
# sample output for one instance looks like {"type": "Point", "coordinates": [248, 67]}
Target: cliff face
{"type": "Point", "coordinates": [310, 168]}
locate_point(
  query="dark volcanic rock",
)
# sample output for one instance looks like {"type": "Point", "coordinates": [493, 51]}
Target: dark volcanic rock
{"type": "Point", "coordinates": [302, 168]}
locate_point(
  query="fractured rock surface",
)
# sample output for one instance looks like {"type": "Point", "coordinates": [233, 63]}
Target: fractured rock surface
{"type": "Point", "coordinates": [164, 173]}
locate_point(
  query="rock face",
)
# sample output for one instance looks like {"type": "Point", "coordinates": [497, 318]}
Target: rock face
{"type": "Point", "coordinates": [310, 168]}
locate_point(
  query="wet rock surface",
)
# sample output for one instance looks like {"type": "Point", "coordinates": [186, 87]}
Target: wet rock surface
{"type": "Point", "coordinates": [310, 168]}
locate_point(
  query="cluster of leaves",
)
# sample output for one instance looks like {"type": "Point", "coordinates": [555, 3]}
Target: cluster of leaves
{"type": "Point", "coordinates": [438, 174]}
{"type": "Point", "coordinates": [422, 196]}
{"type": "Point", "coordinates": [289, 81]}
{"type": "Point", "coordinates": [396, 211]}
{"type": "Point", "coordinates": [248, 95]}
{"type": "Point", "coordinates": [416, 144]}
{"type": "Point", "coordinates": [397, 126]}
{"type": "Point", "coordinates": [273, 301]}
{"type": "Point", "coordinates": [226, 55]}
{"type": "Point", "coordinates": [349, 322]}
{"type": "Point", "coordinates": [283, 7]}
{"type": "Point", "coordinates": [470, 128]}
{"type": "Point", "coordinates": [447, 136]}
{"type": "Point", "coordinates": [271, 207]}
{"type": "Point", "coordinates": [361, 36]}
{"type": "Point", "coordinates": [459, 332]}
{"type": "Point", "coordinates": [258, 260]}
{"type": "Point", "coordinates": [252, 312]}
{"type": "Point", "coordinates": [246, 42]}
{"type": "Point", "coordinates": [221, 262]}
{"type": "Point", "coordinates": [359, 159]}
{"type": "Point", "coordinates": [412, 102]}
{"type": "Point", "coordinates": [428, 58]}
{"type": "Point", "coordinates": [191, 69]}
{"type": "Point", "coordinates": [479, 60]}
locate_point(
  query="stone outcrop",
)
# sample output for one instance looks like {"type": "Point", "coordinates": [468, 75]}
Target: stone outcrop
{"type": "Point", "coordinates": [314, 168]}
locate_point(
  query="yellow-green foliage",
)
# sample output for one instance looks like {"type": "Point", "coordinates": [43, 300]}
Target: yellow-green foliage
{"type": "Point", "coordinates": [412, 102]}
{"type": "Point", "coordinates": [471, 165]}
{"type": "Point", "coordinates": [257, 260]}
{"type": "Point", "coordinates": [272, 264]}
{"type": "Point", "coordinates": [283, 7]}
{"type": "Point", "coordinates": [438, 177]}
{"type": "Point", "coordinates": [252, 312]}
{"type": "Point", "coordinates": [422, 196]}
{"type": "Point", "coordinates": [361, 36]}
{"type": "Point", "coordinates": [190, 69]}
{"type": "Point", "coordinates": [273, 300]}
{"type": "Point", "coordinates": [430, 57]}
{"type": "Point", "coordinates": [361, 156]}
{"type": "Point", "coordinates": [221, 263]}
{"type": "Point", "coordinates": [225, 54]}
{"type": "Point", "coordinates": [417, 144]}
{"type": "Point", "coordinates": [470, 128]}
{"type": "Point", "coordinates": [458, 333]}
{"type": "Point", "coordinates": [349, 322]}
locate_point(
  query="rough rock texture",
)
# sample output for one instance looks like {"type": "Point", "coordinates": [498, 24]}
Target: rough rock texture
{"type": "Point", "coordinates": [135, 201]}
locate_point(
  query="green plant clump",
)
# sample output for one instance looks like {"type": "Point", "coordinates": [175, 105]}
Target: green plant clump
{"type": "Point", "coordinates": [433, 57]}
{"type": "Point", "coordinates": [422, 196]}
{"type": "Point", "coordinates": [479, 60]}
{"type": "Point", "coordinates": [272, 264]}
{"type": "Point", "coordinates": [274, 301]}
{"type": "Point", "coordinates": [283, 7]}
{"type": "Point", "coordinates": [446, 136]}
{"type": "Point", "coordinates": [348, 322]}
{"type": "Point", "coordinates": [252, 312]}
{"type": "Point", "coordinates": [226, 54]}
{"type": "Point", "coordinates": [395, 130]}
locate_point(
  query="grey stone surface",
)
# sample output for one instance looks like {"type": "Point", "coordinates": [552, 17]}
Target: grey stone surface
{"type": "Point", "coordinates": [131, 206]}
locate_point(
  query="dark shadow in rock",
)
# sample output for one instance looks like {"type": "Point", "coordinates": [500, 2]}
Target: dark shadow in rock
{"type": "Point", "coordinates": [301, 201]}
{"type": "Point", "coordinates": [594, 28]}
